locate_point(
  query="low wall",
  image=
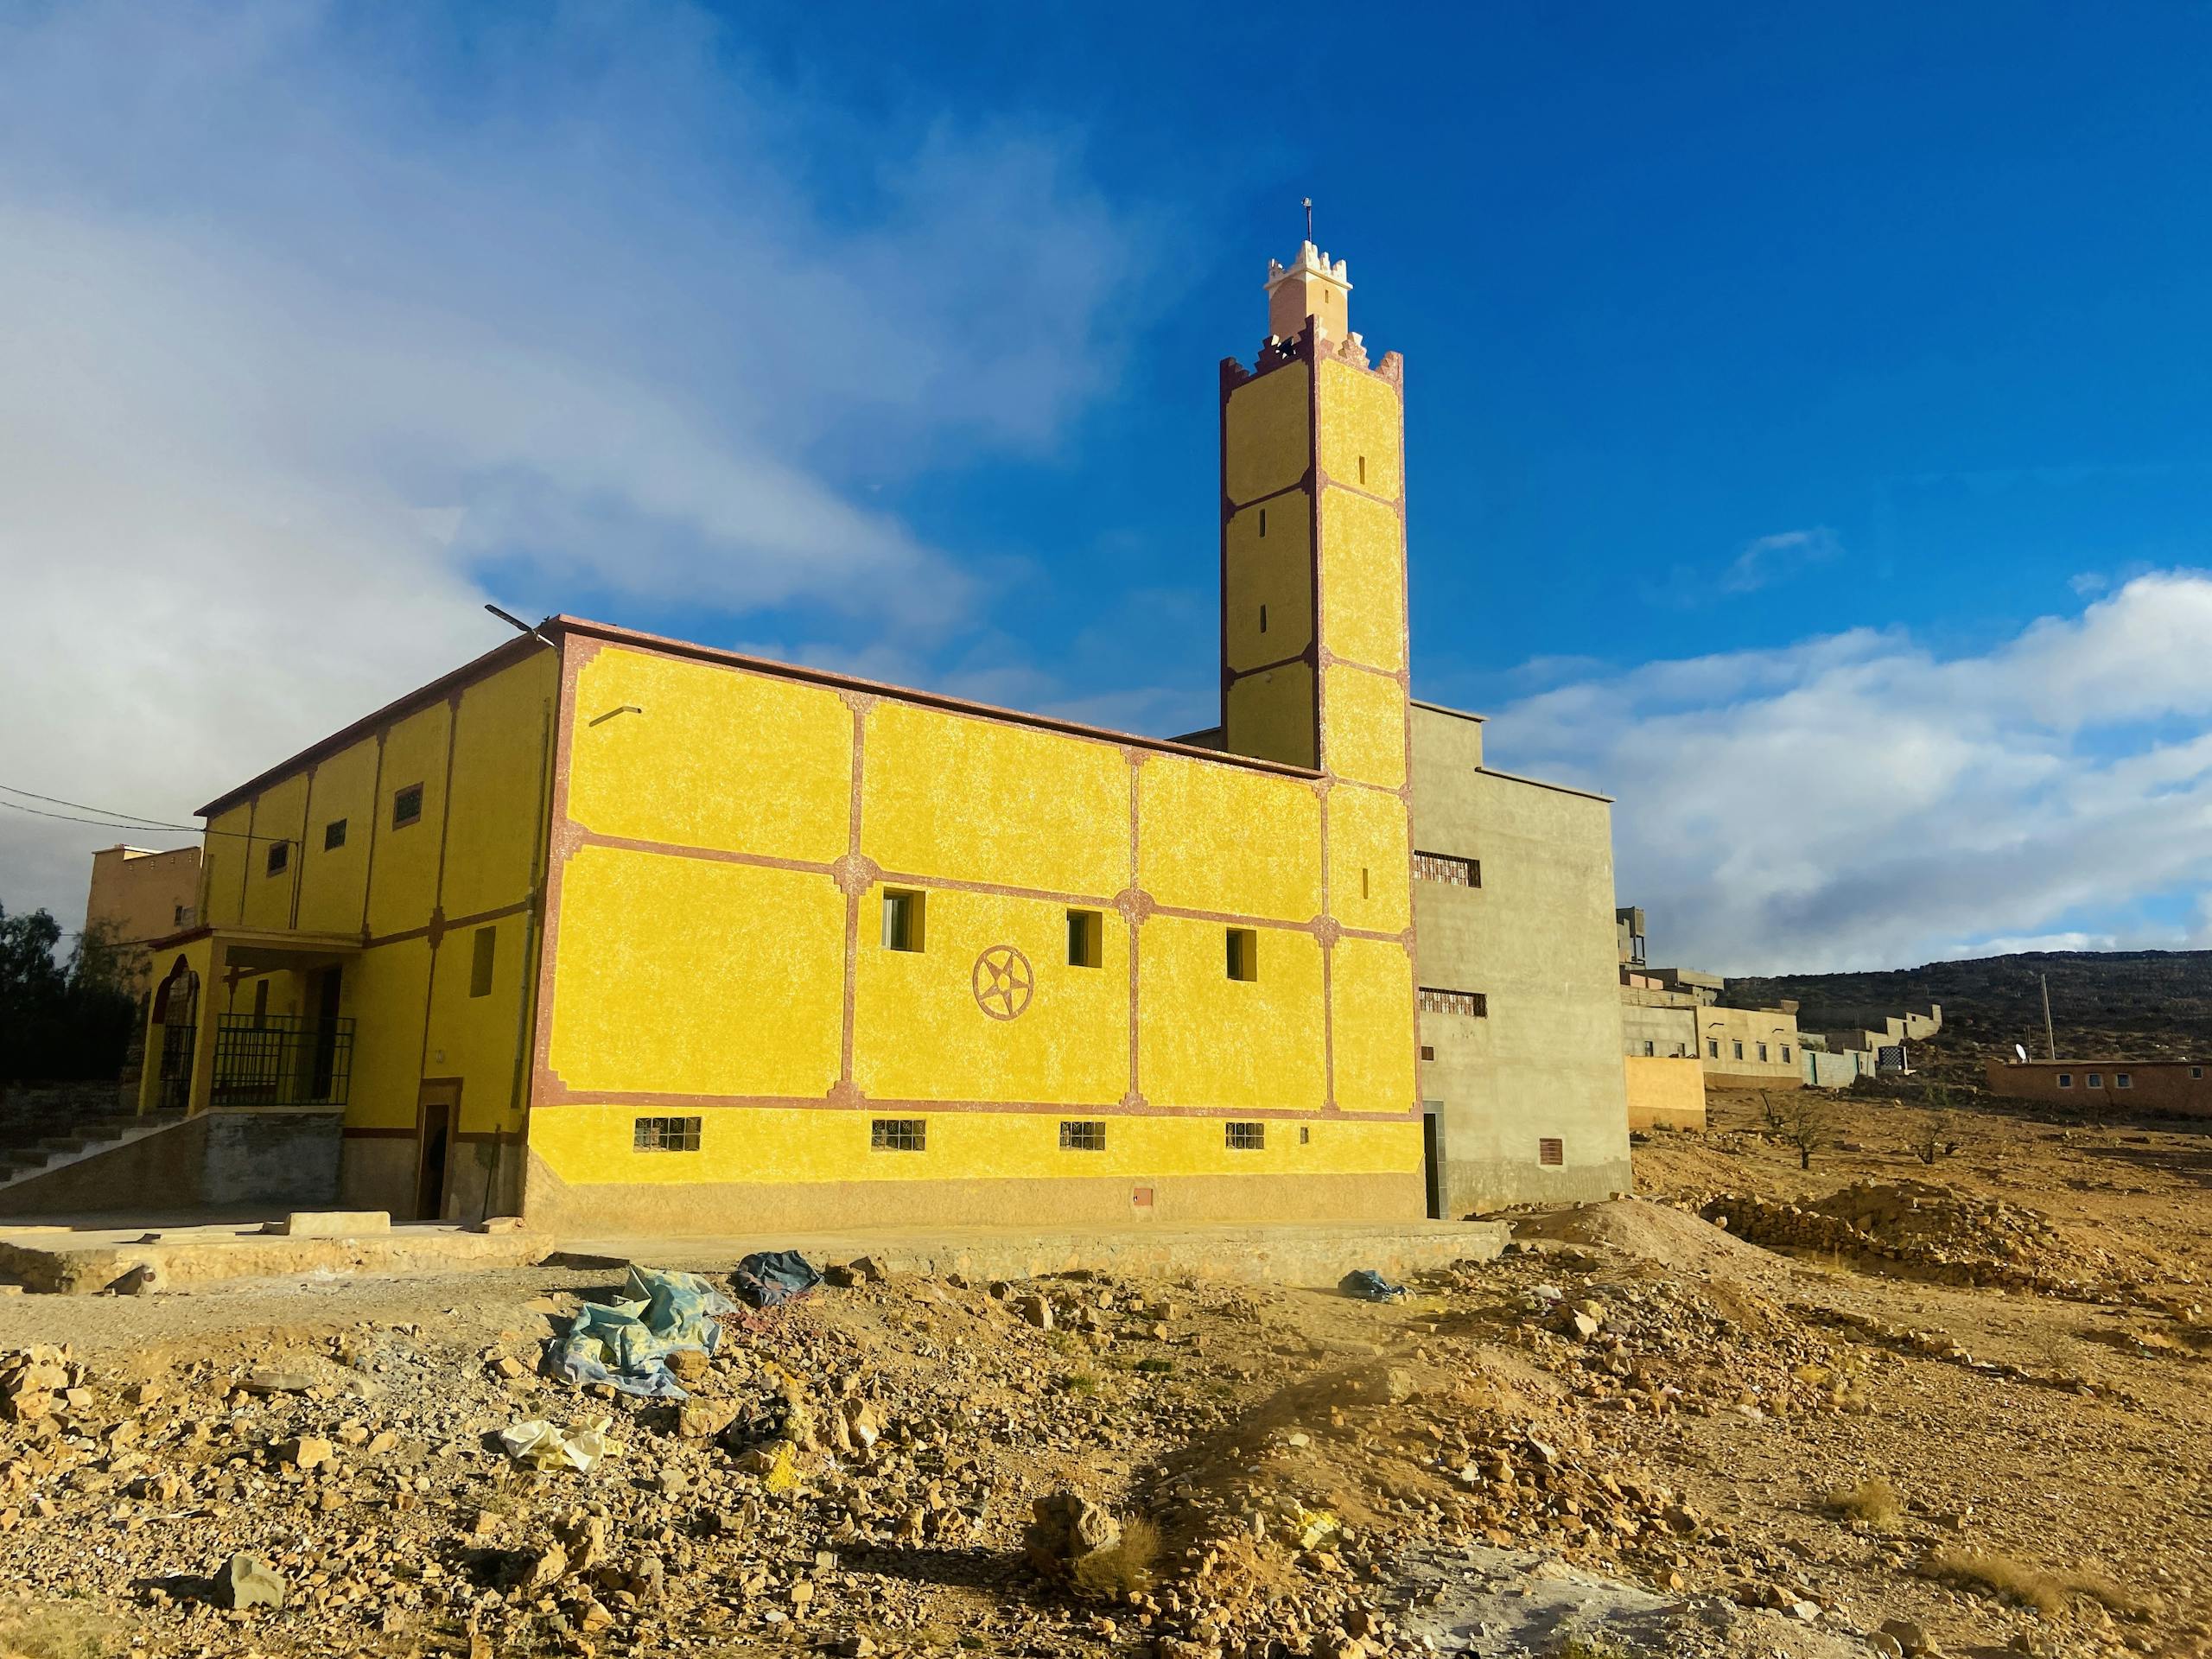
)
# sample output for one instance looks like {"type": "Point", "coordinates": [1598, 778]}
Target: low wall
{"type": "Point", "coordinates": [285, 1160]}
{"type": "Point", "coordinates": [1665, 1093]}
{"type": "Point", "coordinates": [1835, 1070]}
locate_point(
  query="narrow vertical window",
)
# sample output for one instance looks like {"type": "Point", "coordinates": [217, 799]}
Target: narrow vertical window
{"type": "Point", "coordinates": [1362, 469]}
{"type": "Point", "coordinates": [280, 856]}
{"type": "Point", "coordinates": [485, 944]}
{"type": "Point", "coordinates": [333, 834]}
{"type": "Point", "coordinates": [1263, 618]}
{"type": "Point", "coordinates": [1263, 524]}
{"type": "Point", "coordinates": [1243, 953]}
{"type": "Point", "coordinates": [902, 920]}
{"type": "Point", "coordinates": [1086, 929]}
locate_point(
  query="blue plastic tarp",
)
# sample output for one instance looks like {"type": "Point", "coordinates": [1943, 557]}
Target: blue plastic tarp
{"type": "Point", "coordinates": [627, 1343]}
{"type": "Point", "coordinates": [1370, 1287]}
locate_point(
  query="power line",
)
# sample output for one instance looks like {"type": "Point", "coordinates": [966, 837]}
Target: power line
{"type": "Point", "coordinates": [122, 824]}
{"type": "Point", "coordinates": [105, 812]}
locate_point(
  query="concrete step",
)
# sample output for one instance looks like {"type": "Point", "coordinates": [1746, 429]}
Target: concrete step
{"type": "Point", "coordinates": [59, 1151]}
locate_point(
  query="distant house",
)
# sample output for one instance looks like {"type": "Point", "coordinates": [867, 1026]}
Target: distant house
{"type": "Point", "coordinates": [2115, 1086]}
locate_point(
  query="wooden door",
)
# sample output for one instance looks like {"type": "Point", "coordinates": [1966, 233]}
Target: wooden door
{"type": "Point", "coordinates": [437, 1115]}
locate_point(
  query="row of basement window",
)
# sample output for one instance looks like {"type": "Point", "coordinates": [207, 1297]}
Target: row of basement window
{"type": "Point", "coordinates": [912, 1134]}
{"type": "Point", "coordinates": [2120, 1079]}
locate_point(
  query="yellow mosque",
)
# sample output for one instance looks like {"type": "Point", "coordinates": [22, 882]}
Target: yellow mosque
{"type": "Point", "coordinates": [633, 935]}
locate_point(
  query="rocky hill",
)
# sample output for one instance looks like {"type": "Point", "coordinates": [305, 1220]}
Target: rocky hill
{"type": "Point", "coordinates": [2106, 1004]}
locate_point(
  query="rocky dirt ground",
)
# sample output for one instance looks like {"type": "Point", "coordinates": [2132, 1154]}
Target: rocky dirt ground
{"type": "Point", "coordinates": [1963, 1401]}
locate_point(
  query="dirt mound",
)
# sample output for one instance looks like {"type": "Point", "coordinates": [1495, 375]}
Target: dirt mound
{"type": "Point", "coordinates": [1678, 1240]}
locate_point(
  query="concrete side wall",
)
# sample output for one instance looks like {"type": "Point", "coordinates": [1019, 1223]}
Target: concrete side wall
{"type": "Point", "coordinates": [1834, 1071]}
{"type": "Point", "coordinates": [285, 1160]}
{"type": "Point", "coordinates": [1664, 1093]}
{"type": "Point", "coordinates": [1536, 940]}
{"type": "Point", "coordinates": [1665, 1033]}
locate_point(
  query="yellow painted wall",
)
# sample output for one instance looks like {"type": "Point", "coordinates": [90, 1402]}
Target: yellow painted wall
{"type": "Point", "coordinates": [800, 1145]}
{"type": "Point", "coordinates": [332, 882]}
{"type": "Point", "coordinates": [1368, 855]}
{"type": "Point", "coordinates": [695, 976]}
{"type": "Point", "coordinates": [1360, 420]}
{"type": "Point", "coordinates": [1365, 739]}
{"type": "Point", "coordinates": [1269, 438]}
{"type": "Point", "coordinates": [920, 1034]}
{"type": "Point", "coordinates": [1273, 570]}
{"type": "Point", "coordinates": [1372, 986]}
{"type": "Point", "coordinates": [1192, 811]}
{"type": "Point", "coordinates": [403, 877]}
{"type": "Point", "coordinates": [1269, 716]}
{"type": "Point", "coordinates": [223, 864]}
{"type": "Point", "coordinates": [1363, 581]}
{"type": "Point", "coordinates": [736, 762]}
{"type": "Point", "coordinates": [949, 795]}
{"type": "Point", "coordinates": [1665, 1093]}
{"type": "Point", "coordinates": [278, 815]}
{"type": "Point", "coordinates": [409, 998]}
{"type": "Point", "coordinates": [1207, 1040]}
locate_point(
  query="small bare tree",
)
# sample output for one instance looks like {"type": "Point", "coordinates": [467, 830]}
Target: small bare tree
{"type": "Point", "coordinates": [1935, 1136]}
{"type": "Point", "coordinates": [1771, 1111]}
{"type": "Point", "coordinates": [1805, 1125]}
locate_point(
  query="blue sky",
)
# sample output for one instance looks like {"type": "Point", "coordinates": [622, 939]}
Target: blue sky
{"type": "Point", "coordinates": [1808, 435]}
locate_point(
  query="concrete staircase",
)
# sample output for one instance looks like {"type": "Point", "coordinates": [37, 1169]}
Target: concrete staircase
{"type": "Point", "coordinates": [87, 1138]}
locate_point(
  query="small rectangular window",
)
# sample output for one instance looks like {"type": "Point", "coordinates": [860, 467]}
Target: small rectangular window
{"type": "Point", "coordinates": [2096, 1079]}
{"type": "Point", "coordinates": [1475, 1005]}
{"type": "Point", "coordinates": [1762, 1053]}
{"type": "Point", "coordinates": [182, 912]}
{"type": "Point", "coordinates": [407, 806]}
{"type": "Point", "coordinates": [1712, 1048]}
{"type": "Point", "coordinates": [1551, 1150]}
{"type": "Point", "coordinates": [1243, 953]}
{"type": "Point", "coordinates": [486, 944]}
{"type": "Point", "coordinates": [280, 857]}
{"type": "Point", "coordinates": [1452, 872]}
{"type": "Point", "coordinates": [665, 1135]}
{"type": "Point", "coordinates": [1428, 1051]}
{"type": "Point", "coordinates": [1086, 936]}
{"type": "Point", "coordinates": [1362, 469]}
{"type": "Point", "coordinates": [1305, 1133]}
{"type": "Point", "coordinates": [1248, 1137]}
{"type": "Point", "coordinates": [1738, 1047]}
{"type": "Point", "coordinates": [1651, 1049]}
{"type": "Point", "coordinates": [2196, 1074]}
{"type": "Point", "coordinates": [1785, 1053]}
{"type": "Point", "coordinates": [1083, 1136]}
{"type": "Point", "coordinates": [903, 913]}
{"type": "Point", "coordinates": [1263, 618]}
{"type": "Point", "coordinates": [333, 834]}
{"type": "Point", "coordinates": [2121, 1080]}
{"type": "Point", "coordinates": [899, 1134]}
{"type": "Point", "coordinates": [2066, 1079]}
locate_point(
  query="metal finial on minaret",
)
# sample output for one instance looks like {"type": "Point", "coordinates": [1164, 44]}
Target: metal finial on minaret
{"type": "Point", "coordinates": [1309, 219]}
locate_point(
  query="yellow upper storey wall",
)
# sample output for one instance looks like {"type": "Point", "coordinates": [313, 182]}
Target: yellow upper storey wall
{"type": "Point", "coordinates": [742, 959]}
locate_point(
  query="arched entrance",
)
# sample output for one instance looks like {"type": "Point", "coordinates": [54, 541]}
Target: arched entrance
{"type": "Point", "coordinates": [176, 1016]}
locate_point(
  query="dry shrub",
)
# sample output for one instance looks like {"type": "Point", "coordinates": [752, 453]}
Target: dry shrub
{"type": "Point", "coordinates": [1126, 1567]}
{"type": "Point", "coordinates": [2047, 1592]}
{"type": "Point", "coordinates": [1873, 1502]}
{"type": "Point", "coordinates": [30, 1631]}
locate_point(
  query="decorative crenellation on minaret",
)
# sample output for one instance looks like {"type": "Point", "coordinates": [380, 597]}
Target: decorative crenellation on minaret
{"type": "Point", "coordinates": [1310, 286]}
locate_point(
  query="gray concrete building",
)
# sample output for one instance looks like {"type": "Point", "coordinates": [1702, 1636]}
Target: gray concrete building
{"type": "Point", "coordinates": [1516, 957]}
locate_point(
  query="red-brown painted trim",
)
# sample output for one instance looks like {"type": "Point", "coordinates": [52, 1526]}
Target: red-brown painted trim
{"type": "Point", "coordinates": [445, 924]}
{"type": "Point", "coordinates": [561, 834]}
{"type": "Point", "coordinates": [855, 880]}
{"type": "Point", "coordinates": [354, 1132]}
{"type": "Point", "coordinates": [667, 647]}
{"type": "Point", "coordinates": [705, 854]}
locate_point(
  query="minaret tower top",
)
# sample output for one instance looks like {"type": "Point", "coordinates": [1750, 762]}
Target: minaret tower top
{"type": "Point", "coordinates": [1310, 286]}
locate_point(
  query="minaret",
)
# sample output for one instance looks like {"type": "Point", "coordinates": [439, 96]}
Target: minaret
{"type": "Point", "coordinates": [1313, 658]}
{"type": "Point", "coordinates": [1312, 543]}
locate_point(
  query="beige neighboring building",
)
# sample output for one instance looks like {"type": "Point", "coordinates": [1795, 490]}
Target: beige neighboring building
{"type": "Point", "coordinates": [1521, 1073]}
{"type": "Point", "coordinates": [138, 896]}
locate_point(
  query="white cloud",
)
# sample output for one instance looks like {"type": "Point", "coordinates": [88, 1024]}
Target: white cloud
{"type": "Point", "coordinates": [312, 318]}
{"type": "Point", "coordinates": [1857, 801]}
{"type": "Point", "coordinates": [1770, 558]}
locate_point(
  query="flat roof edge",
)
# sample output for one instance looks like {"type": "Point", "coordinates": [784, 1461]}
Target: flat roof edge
{"type": "Point", "coordinates": [1447, 708]}
{"type": "Point", "coordinates": [1540, 783]}
{"type": "Point", "coordinates": [836, 681]}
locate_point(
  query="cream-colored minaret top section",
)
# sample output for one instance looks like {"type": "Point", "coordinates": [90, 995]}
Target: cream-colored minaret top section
{"type": "Point", "coordinates": [1310, 287]}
